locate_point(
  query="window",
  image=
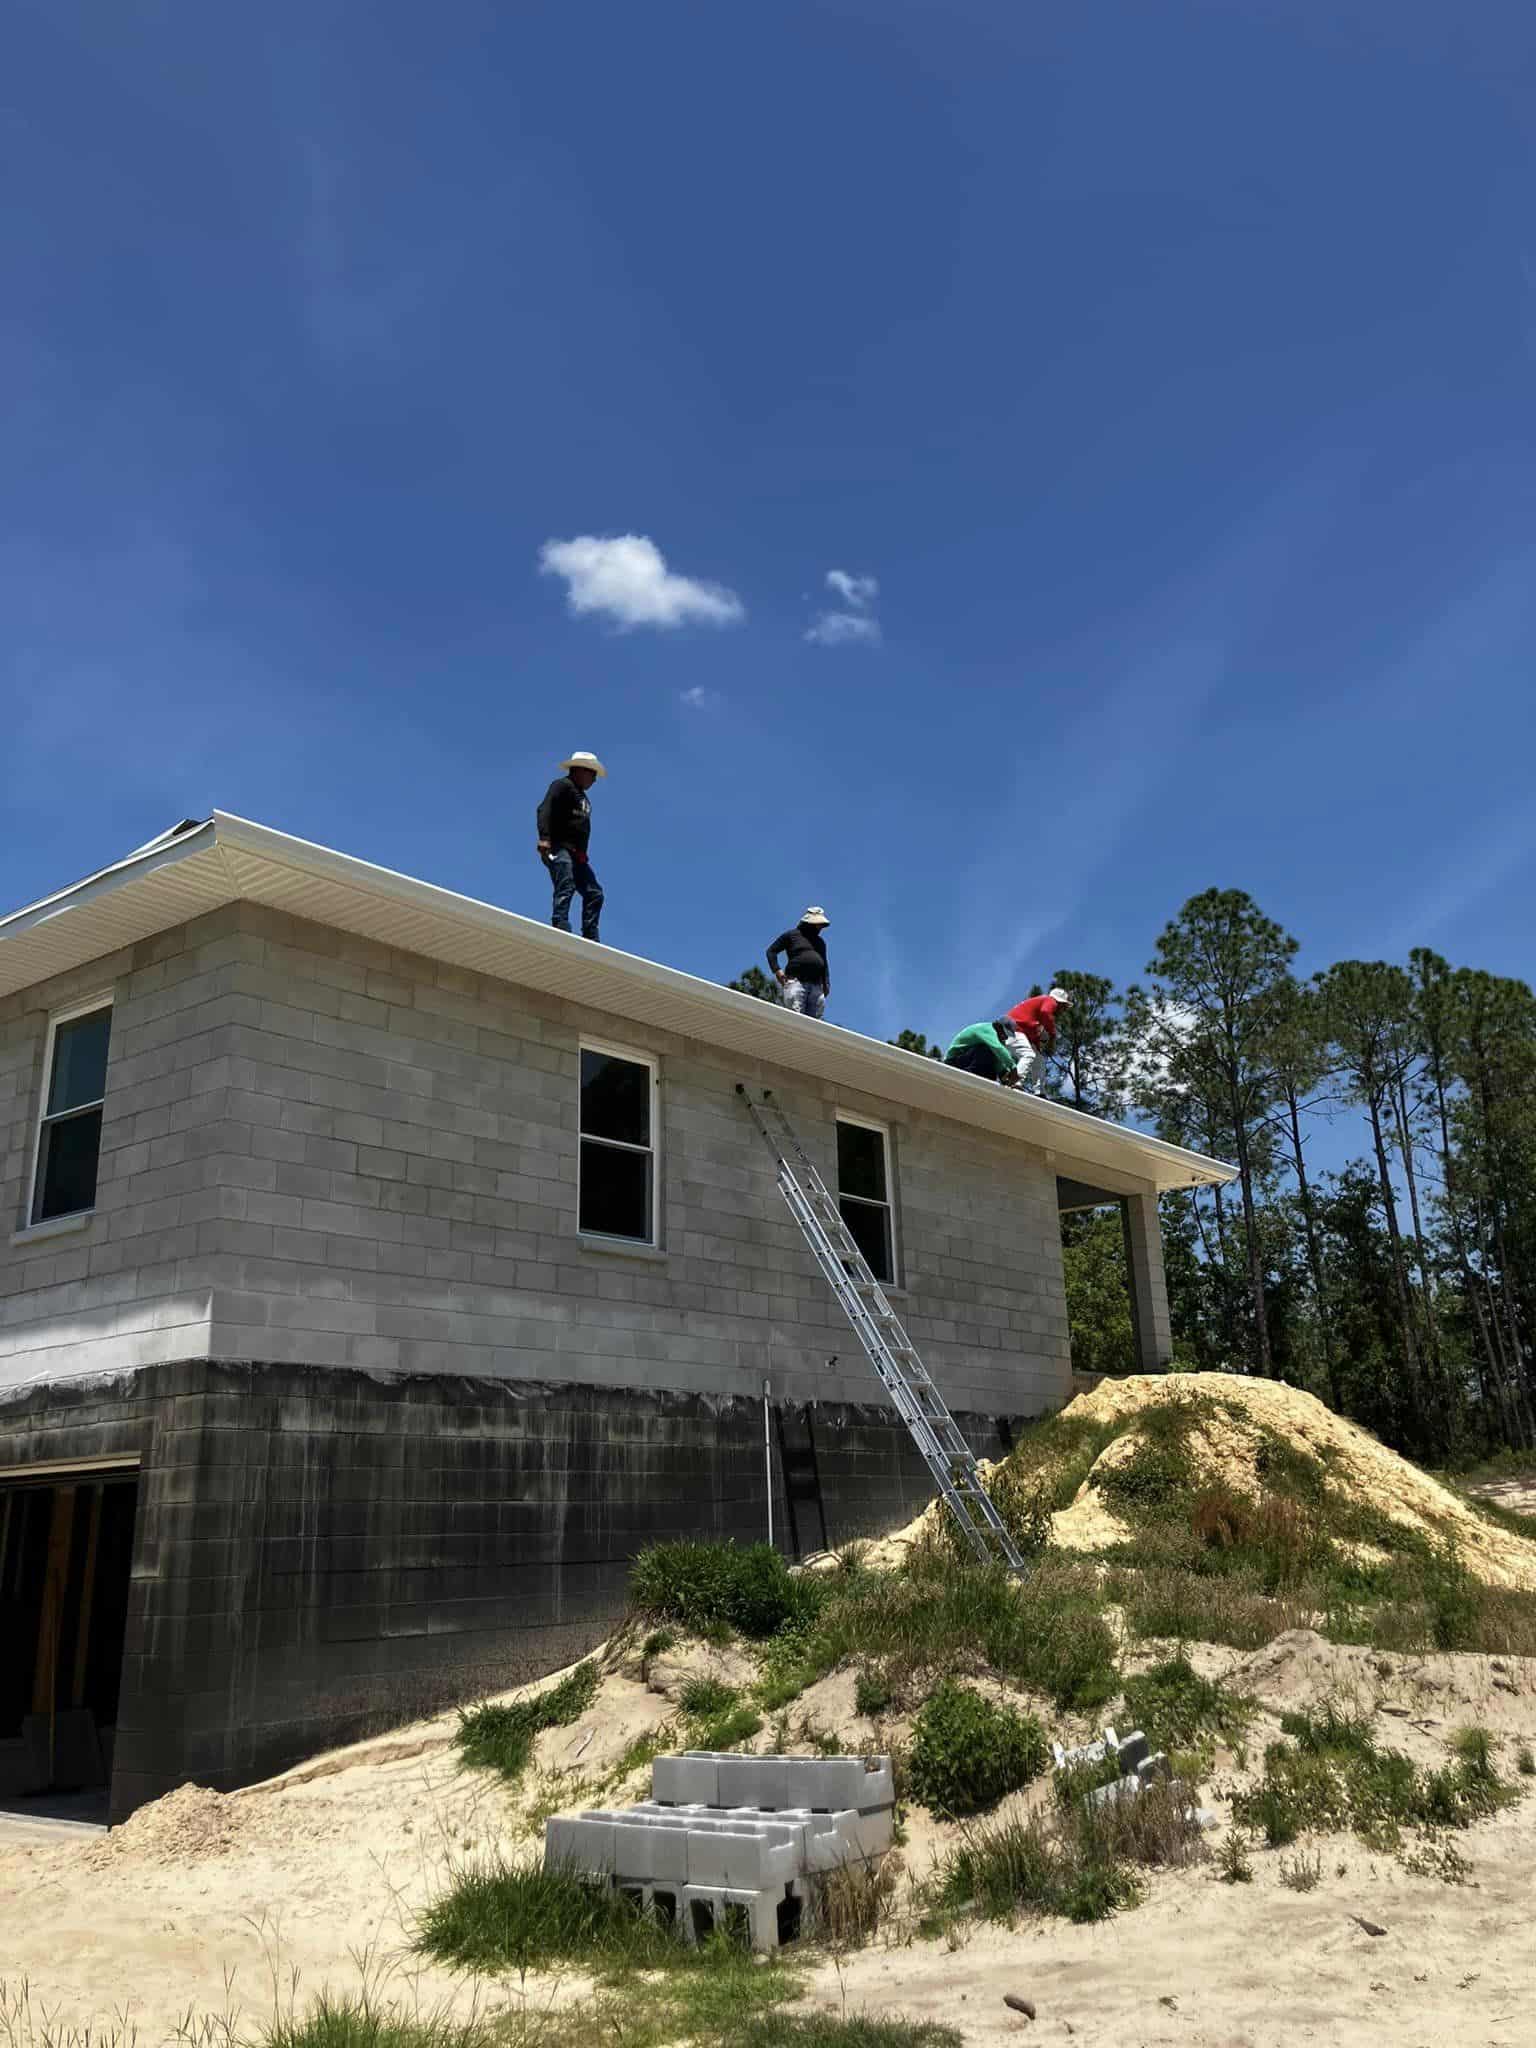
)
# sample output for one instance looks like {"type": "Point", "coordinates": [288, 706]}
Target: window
{"type": "Point", "coordinates": [618, 1146]}
{"type": "Point", "coordinates": [69, 1138]}
{"type": "Point", "coordinates": [864, 1194]}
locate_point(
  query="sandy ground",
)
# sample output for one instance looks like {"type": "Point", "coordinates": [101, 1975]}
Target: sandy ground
{"type": "Point", "coordinates": [225, 1906]}
{"type": "Point", "coordinates": [1518, 1494]}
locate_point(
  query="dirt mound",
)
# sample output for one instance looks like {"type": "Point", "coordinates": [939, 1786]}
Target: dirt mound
{"type": "Point", "coordinates": [1250, 1437]}
{"type": "Point", "coordinates": [185, 1826]}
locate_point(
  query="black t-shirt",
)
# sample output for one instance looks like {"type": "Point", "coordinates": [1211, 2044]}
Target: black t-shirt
{"type": "Point", "coordinates": [807, 955]}
{"type": "Point", "coordinates": [565, 816]}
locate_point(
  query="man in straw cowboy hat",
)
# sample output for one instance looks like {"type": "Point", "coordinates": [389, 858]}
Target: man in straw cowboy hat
{"type": "Point", "coordinates": [805, 977]}
{"type": "Point", "coordinates": [565, 828]}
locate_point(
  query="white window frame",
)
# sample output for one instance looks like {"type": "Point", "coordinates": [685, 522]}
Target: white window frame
{"type": "Point", "coordinates": [869, 1123]}
{"type": "Point", "coordinates": [104, 999]}
{"type": "Point", "coordinates": [652, 1065]}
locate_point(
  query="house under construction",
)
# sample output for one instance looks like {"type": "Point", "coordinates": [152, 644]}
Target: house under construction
{"type": "Point", "coordinates": [383, 1270]}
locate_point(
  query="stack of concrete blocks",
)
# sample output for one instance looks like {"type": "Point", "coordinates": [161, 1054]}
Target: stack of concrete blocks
{"type": "Point", "coordinates": [1138, 1766]}
{"type": "Point", "coordinates": [734, 1842]}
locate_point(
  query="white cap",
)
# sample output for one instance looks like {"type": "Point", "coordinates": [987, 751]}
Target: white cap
{"type": "Point", "coordinates": [815, 915]}
{"type": "Point", "coordinates": [584, 761]}
{"type": "Point", "coordinates": [1059, 995]}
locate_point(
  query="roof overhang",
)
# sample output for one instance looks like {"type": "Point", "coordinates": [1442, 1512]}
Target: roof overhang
{"type": "Point", "coordinates": [197, 868]}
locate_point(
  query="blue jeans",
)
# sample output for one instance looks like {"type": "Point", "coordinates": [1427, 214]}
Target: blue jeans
{"type": "Point", "coordinates": [809, 998]}
{"type": "Point", "coordinates": [573, 877]}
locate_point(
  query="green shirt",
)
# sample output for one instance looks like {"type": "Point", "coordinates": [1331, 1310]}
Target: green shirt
{"type": "Point", "coordinates": [985, 1034]}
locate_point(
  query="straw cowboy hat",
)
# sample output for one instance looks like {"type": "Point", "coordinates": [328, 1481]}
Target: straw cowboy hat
{"type": "Point", "coordinates": [584, 761]}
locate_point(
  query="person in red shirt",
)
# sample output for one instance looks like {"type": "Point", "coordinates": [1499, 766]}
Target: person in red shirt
{"type": "Point", "coordinates": [1035, 1020]}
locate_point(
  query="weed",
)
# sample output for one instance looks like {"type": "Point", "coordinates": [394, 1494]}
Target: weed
{"type": "Point", "coordinates": [1079, 1863]}
{"type": "Point", "coordinates": [1437, 1858]}
{"type": "Point", "coordinates": [1525, 1762]}
{"type": "Point", "coordinates": [871, 1691]}
{"type": "Point", "coordinates": [967, 1752]}
{"type": "Point", "coordinates": [500, 1738]}
{"type": "Point", "coordinates": [850, 1903]}
{"type": "Point", "coordinates": [1475, 1747]}
{"type": "Point", "coordinates": [363, 2022]}
{"type": "Point", "coordinates": [1176, 1708]}
{"type": "Point", "coordinates": [709, 1586]}
{"type": "Point", "coordinates": [737, 1725]}
{"type": "Point", "coordinates": [1232, 1862]}
{"type": "Point", "coordinates": [1332, 1776]}
{"type": "Point", "coordinates": [1301, 1872]}
{"type": "Point", "coordinates": [829, 2030]}
{"type": "Point", "coordinates": [706, 1698]}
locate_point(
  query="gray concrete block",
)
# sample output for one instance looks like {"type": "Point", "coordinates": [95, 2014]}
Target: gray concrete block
{"type": "Point", "coordinates": [684, 1780]}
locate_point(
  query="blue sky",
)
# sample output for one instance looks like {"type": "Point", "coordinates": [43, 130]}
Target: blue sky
{"type": "Point", "coordinates": [1169, 370]}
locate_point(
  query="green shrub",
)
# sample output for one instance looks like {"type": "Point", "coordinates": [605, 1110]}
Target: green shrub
{"type": "Point", "coordinates": [871, 1691]}
{"type": "Point", "coordinates": [500, 1738]}
{"type": "Point", "coordinates": [1525, 1762]}
{"type": "Point", "coordinates": [967, 1752]}
{"type": "Point", "coordinates": [1233, 1865]}
{"type": "Point", "coordinates": [1178, 1709]}
{"type": "Point", "coordinates": [707, 1586]}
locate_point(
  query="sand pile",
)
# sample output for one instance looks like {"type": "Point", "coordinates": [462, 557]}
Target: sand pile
{"type": "Point", "coordinates": [185, 1826]}
{"type": "Point", "coordinates": [1235, 1422]}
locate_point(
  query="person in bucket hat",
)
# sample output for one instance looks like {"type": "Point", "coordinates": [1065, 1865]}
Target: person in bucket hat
{"type": "Point", "coordinates": [805, 979]}
{"type": "Point", "coordinates": [565, 831]}
{"type": "Point", "coordinates": [1036, 1020]}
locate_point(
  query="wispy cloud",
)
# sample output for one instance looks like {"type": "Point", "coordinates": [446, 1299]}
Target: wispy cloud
{"type": "Point", "coordinates": [698, 698]}
{"type": "Point", "coordinates": [625, 578]}
{"type": "Point", "coordinates": [854, 621]}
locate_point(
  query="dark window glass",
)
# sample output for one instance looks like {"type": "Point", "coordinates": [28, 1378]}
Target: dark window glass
{"type": "Point", "coordinates": [615, 1191]}
{"type": "Point", "coordinates": [69, 1143]}
{"type": "Point", "coordinates": [79, 1062]}
{"type": "Point", "coordinates": [66, 1173]}
{"type": "Point", "coordinates": [861, 1163]}
{"type": "Point", "coordinates": [869, 1224]}
{"type": "Point", "coordinates": [615, 1099]}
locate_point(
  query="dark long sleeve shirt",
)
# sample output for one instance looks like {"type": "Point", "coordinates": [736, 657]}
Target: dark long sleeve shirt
{"type": "Point", "coordinates": [565, 816]}
{"type": "Point", "coordinates": [806, 955]}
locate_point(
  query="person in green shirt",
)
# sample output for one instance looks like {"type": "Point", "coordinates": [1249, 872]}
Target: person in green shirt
{"type": "Point", "coordinates": [985, 1049]}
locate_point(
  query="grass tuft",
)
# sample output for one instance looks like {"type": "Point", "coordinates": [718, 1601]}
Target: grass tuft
{"type": "Point", "coordinates": [500, 1738]}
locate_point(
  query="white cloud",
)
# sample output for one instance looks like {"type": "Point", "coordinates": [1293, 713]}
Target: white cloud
{"type": "Point", "coordinates": [698, 698]}
{"type": "Point", "coordinates": [856, 621]}
{"type": "Point", "coordinates": [625, 577]}
{"type": "Point", "coordinates": [858, 591]}
{"type": "Point", "coordinates": [837, 629]}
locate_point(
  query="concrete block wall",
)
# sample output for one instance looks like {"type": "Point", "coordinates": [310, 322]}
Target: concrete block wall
{"type": "Point", "coordinates": [132, 1283]}
{"type": "Point", "coordinates": [319, 1552]}
{"type": "Point", "coordinates": [423, 1214]}
{"type": "Point", "coordinates": [319, 1151]}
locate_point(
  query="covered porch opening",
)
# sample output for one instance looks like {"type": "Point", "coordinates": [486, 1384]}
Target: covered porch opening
{"type": "Point", "coordinates": [1140, 1258]}
{"type": "Point", "coordinates": [66, 1549]}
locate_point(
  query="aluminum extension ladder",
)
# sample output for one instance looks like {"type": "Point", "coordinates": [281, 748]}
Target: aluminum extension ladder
{"type": "Point", "coordinates": [891, 1352]}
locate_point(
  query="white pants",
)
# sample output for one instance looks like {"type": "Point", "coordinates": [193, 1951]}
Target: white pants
{"type": "Point", "coordinates": [1031, 1063]}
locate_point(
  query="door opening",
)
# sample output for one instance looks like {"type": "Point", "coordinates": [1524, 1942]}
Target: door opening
{"type": "Point", "coordinates": [66, 1548]}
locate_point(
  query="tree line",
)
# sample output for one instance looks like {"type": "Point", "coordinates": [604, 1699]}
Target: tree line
{"type": "Point", "coordinates": [1401, 1285]}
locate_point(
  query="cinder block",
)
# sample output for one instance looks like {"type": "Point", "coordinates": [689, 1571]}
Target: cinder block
{"type": "Point", "coordinates": [579, 1843]}
{"type": "Point", "coordinates": [686, 1780]}
{"type": "Point", "coordinates": [760, 1781]}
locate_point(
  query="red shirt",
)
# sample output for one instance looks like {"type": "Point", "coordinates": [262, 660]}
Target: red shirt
{"type": "Point", "coordinates": [1036, 1018]}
